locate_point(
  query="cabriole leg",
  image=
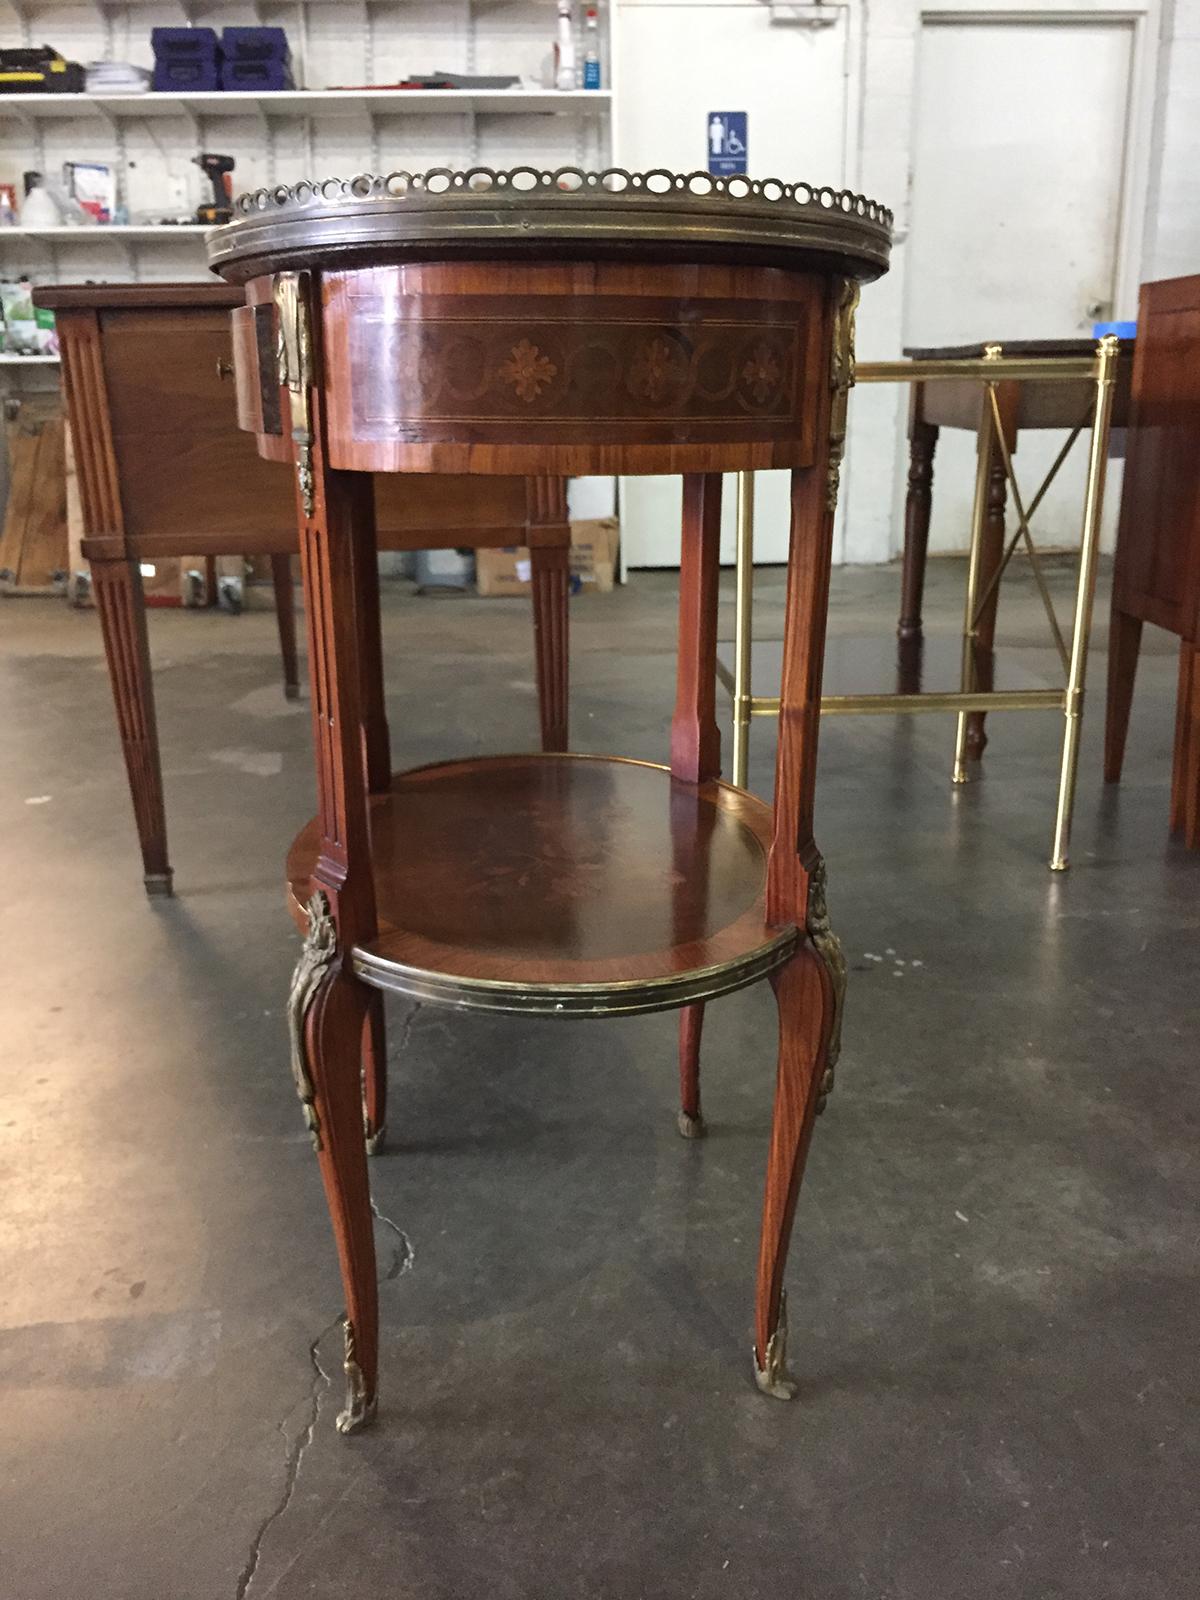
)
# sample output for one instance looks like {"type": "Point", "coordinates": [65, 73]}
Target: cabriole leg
{"type": "Point", "coordinates": [810, 987]}
{"type": "Point", "coordinates": [695, 736]}
{"type": "Point", "coordinates": [374, 1066]}
{"type": "Point", "coordinates": [328, 1006]}
{"type": "Point", "coordinates": [805, 998]}
{"type": "Point", "coordinates": [327, 1014]}
{"type": "Point", "coordinates": [691, 1023]}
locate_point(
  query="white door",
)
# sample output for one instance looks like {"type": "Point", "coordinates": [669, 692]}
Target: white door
{"type": "Point", "coordinates": [678, 61]}
{"type": "Point", "coordinates": [1018, 170]}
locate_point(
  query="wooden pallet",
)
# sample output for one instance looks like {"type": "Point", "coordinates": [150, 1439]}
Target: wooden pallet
{"type": "Point", "coordinates": [33, 545]}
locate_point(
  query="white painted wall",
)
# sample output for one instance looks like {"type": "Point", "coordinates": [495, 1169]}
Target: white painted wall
{"type": "Point", "coordinates": [1173, 206]}
{"type": "Point", "coordinates": [868, 140]}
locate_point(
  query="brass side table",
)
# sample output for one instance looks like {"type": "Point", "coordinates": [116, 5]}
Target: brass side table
{"type": "Point", "coordinates": [550, 324]}
{"type": "Point", "coordinates": [990, 392]}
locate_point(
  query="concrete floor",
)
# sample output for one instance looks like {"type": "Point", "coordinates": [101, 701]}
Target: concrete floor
{"type": "Point", "coordinates": [993, 1280]}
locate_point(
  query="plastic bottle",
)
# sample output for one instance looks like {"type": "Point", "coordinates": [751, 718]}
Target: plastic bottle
{"type": "Point", "coordinates": [38, 209]}
{"type": "Point", "coordinates": [564, 49]}
{"type": "Point", "coordinates": [591, 49]}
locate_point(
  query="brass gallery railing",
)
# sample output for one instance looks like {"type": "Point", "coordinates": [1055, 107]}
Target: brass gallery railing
{"type": "Point", "coordinates": [991, 368]}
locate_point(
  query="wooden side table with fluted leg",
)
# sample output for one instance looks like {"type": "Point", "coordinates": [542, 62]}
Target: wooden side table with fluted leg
{"type": "Point", "coordinates": [164, 471]}
{"type": "Point", "coordinates": [550, 324]}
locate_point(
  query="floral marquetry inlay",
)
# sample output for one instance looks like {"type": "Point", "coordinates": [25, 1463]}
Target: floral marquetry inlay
{"type": "Point", "coordinates": [453, 360]}
{"type": "Point", "coordinates": [528, 370]}
{"type": "Point", "coordinates": [761, 373]}
{"type": "Point", "coordinates": [660, 370]}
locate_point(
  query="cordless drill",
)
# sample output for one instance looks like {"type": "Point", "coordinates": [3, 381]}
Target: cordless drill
{"type": "Point", "coordinates": [218, 168]}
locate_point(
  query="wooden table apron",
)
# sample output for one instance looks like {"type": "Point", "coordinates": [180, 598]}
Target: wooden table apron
{"type": "Point", "coordinates": [165, 471]}
{"type": "Point", "coordinates": [1156, 571]}
{"type": "Point", "coordinates": [553, 885]}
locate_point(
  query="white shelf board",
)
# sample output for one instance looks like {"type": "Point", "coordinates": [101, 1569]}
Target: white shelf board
{"type": "Point", "coordinates": [113, 233]}
{"type": "Point", "coordinates": [314, 102]}
{"type": "Point", "coordinates": [10, 358]}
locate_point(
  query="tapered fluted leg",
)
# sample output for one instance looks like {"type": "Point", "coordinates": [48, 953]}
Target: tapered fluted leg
{"type": "Point", "coordinates": [691, 1023]}
{"type": "Point", "coordinates": [117, 586]}
{"type": "Point", "coordinates": [285, 617]}
{"type": "Point", "coordinates": [550, 577]}
{"type": "Point", "coordinates": [550, 580]}
{"type": "Point", "coordinates": [1185, 776]}
{"type": "Point", "coordinates": [921, 446]}
{"type": "Point", "coordinates": [333, 1032]}
{"type": "Point", "coordinates": [374, 1066]}
{"type": "Point", "coordinates": [1124, 643]}
{"type": "Point", "coordinates": [804, 994]}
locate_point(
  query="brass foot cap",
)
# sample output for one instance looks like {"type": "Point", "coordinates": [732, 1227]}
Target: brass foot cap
{"type": "Point", "coordinates": [358, 1414]}
{"type": "Point", "coordinates": [375, 1140]}
{"type": "Point", "coordinates": [690, 1127]}
{"type": "Point", "coordinates": [778, 1385]}
{"type": "Point", "coordinates": [158, 884]}
{"type": "Point", "coordinates": [773, 1377]}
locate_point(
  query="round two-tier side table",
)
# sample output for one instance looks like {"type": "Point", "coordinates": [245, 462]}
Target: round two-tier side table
{"type": "Point", "coordinates": [552, 324]}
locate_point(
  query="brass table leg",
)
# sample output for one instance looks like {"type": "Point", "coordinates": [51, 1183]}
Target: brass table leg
{"type": "Point", "coordinates": [1084, 596]}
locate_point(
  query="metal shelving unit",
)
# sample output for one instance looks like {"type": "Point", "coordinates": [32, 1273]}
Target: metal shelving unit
{"type": "Point", "coordinates": [313, 102]}
{"type": "Point", "coordinates": [369, 119]}
{"type": "Point", "coordinates": [132, 233]}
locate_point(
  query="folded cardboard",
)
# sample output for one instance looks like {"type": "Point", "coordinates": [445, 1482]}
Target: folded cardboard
{"type": "Point", "coordinates": [593, 561]}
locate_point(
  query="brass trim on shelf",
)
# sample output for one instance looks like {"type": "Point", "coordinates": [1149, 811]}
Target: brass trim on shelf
{"type": "Point", "coordinates": [608, 998]}
{"type": "Point", "coordinates": [623, 999]}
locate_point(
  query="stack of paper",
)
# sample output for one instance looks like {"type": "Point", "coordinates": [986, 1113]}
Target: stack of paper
{"type": "Point", "coordinates": [116, 77]}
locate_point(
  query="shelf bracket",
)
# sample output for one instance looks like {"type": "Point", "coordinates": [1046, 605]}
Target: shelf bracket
{"type": "Point", "coordinates": [373, 122]}
{"type": "Point", "coordinates": [195, 122]}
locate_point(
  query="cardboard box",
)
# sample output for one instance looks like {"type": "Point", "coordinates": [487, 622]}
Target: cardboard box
{"type": "Point", "coordinates": [594, 547]}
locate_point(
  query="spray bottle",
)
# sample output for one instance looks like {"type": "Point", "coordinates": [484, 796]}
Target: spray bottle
{"type": "Point", "coordinates": [591, 49]}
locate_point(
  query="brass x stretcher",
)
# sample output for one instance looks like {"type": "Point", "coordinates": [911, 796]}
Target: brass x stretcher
{"type": "Point", "coordinates": [990, 369]}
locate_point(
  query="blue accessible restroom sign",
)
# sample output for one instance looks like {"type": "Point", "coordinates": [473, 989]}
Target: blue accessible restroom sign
{"type": "Point", "coordinates": [728, 142]}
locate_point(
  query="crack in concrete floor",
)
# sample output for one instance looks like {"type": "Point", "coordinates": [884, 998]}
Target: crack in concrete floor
{"type": "Point", "coordinates": [296, 1452]}
{"type": "Point", "coordinates": [402, 1261]}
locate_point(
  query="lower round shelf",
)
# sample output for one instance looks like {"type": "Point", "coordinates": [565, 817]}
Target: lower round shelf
{"type": "Point", "coordinates": [562, 885]}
